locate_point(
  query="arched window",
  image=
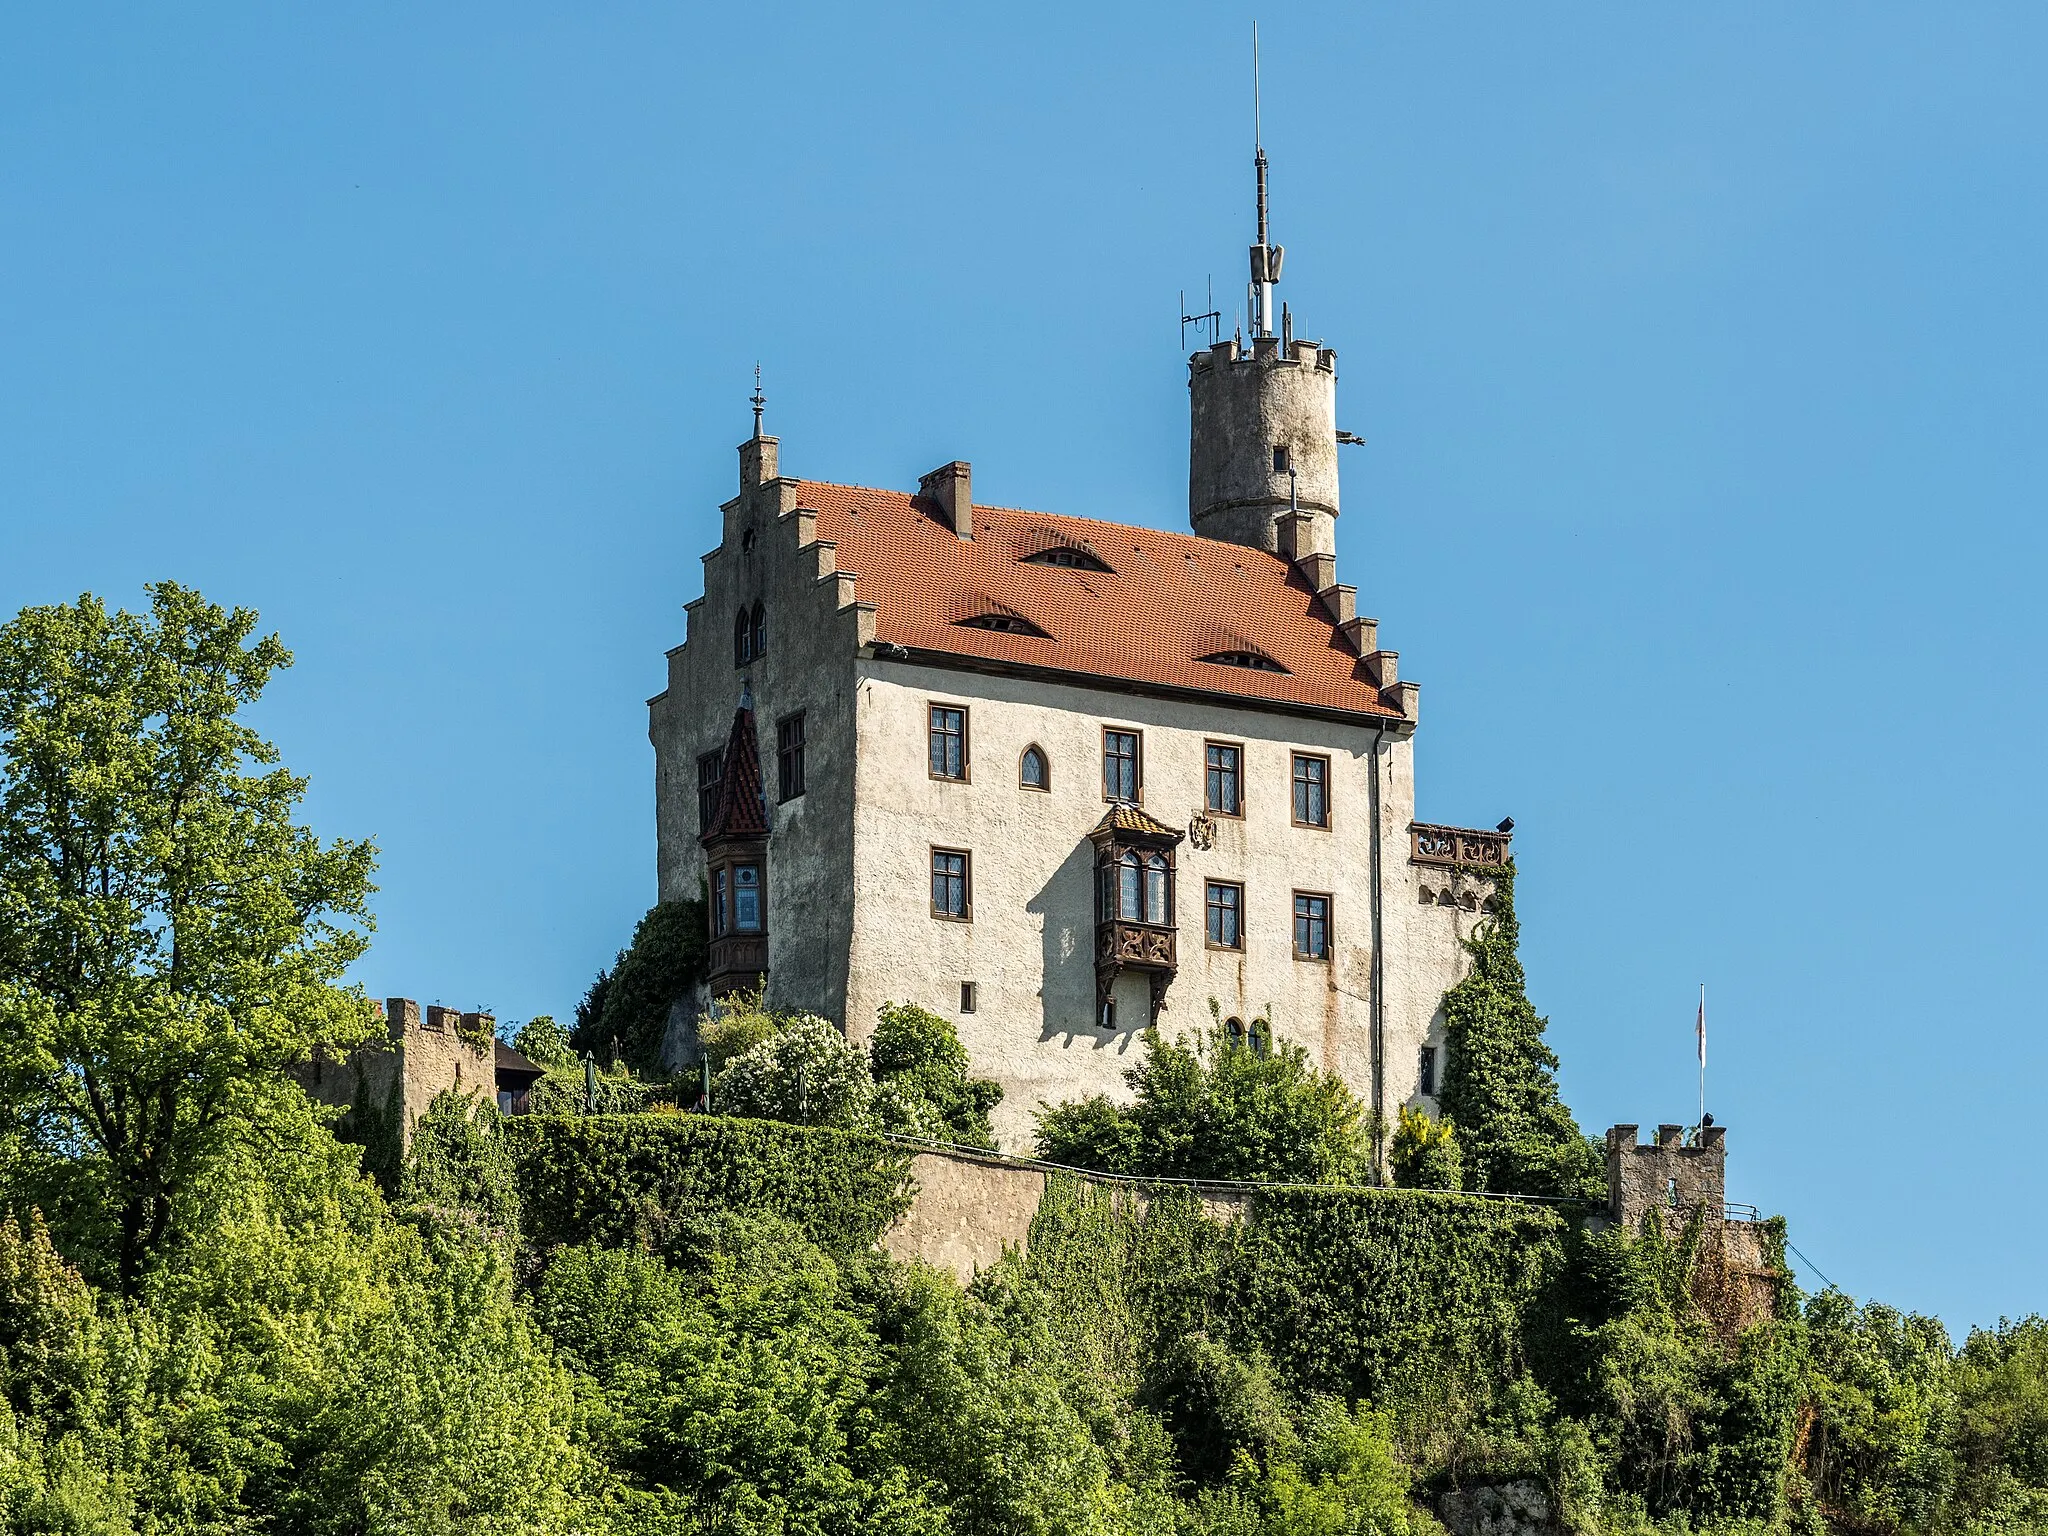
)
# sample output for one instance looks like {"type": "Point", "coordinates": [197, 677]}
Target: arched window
{"type": "Point", "coordinates": [1032, 772]}
{"type": "Point", "coordinates": [742, 639]}
{"type": "Point", "coordinates": [1262, 1037]}
{"type": "Point", "coordinates": [1130, 901]}
{"type": "Point", "coordinates": [1158, 890]}
{"type": "Point", "coordinates": [1235, 1028]}
{"type": "Point", "coordinates": [760, 631]}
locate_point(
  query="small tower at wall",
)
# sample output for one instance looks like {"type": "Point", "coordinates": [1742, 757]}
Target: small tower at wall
{"type": "Point", "coordinates": [1258, 412]}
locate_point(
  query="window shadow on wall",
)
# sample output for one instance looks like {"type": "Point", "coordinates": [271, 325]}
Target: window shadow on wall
{"type": "Point", "coordinates": [1065, 907]}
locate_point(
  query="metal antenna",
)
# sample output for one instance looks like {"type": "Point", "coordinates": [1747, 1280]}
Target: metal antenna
{"type": "Point", "coordinates": [1265, 255]}
{"type": "Point", "coordinates": [1212, 316]}
{"type": "Point", "coordinates": [759, 400]}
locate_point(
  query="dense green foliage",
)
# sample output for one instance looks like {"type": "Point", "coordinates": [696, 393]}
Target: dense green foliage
{"type": "Point", "coordinates": [1425, 1153]}
{"type": "Point", "coordinates": [625, 1013]}
{"type": "Point", "coordinates": [632, 1179]}
{"type": "Point", "coordinates": [1217, 1109]}
{"type": "Point", "coordinates": [170, 940]}
{"type": "Point", "coordinates": [1500, 1076]}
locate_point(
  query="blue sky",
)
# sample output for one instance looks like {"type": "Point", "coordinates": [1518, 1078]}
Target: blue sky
{"type": "Point", "coordinates": [1701, 353]}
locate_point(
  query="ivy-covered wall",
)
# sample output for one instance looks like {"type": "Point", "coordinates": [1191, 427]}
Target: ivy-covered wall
{"type": "Point", "coordinates": [630, 1179]}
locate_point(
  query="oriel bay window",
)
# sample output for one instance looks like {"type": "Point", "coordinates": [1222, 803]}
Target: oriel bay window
{"type": "Point", "coordinates": [736, 900]}
{"type": "Point", "coordinates": [1134, 901]}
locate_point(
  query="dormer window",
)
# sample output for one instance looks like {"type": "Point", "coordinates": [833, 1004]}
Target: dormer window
{"type": "Point", "coordinates": [1072, 556]}
{"type": "Point", "coordinates": [1251, 661]}
{"type": "Point", "coordinates": [1004, 624]}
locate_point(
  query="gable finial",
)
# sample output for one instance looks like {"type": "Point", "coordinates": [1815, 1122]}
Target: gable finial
{"type": "Point", "coordinates": [758, 400]}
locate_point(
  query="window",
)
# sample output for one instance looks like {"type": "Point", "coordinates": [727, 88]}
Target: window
{"type": "Point", "coordinates": [1234, 1027]}
{"type": "Point", "coordinates": [951, 897]}
{"type": "Point", "coordinates": [1251, 661]}
{"type": "Point", "coordinates": [1121, 779]}
{"type": "Point", "coordinates": [1033, 772]}
{"type": "Point", "coordinates": [949, 742]}
{"type": "Point", "coordinates": [789, 756]}
{"type": "Point", "coordinates": [1311, 926]}
{"type": "Point", "coordinates": [1426, 1078]}
{"type": "Point", "coordinates": [1226, 916]}
{"type": "Point", "coordinates": [1261, 1037]}
{"type": "Point", "coordinates": [720, 912]}
{"type": "Point", "coordinates": [1072, 556]}
{"type": "Point", "coordinates": [1106, 1019]}
{"type": "Point", "coordinates": [742, 639]}
{"type": "Point", "coordinates": [1281, 462]}
{"type": "Point", "coordinates": [1137, 888]}
{"type": "Point", "coordinates": [1311, 791]}
{"type": "Point", "coordinates": [746, 898]}
{"type": "Point", "coordinates": [967, 997]}
{"type": "Point", "coordinates": [1671, 1193]}
{"type": "Point", "coordinates": [1004, 624]}
{"type": "Point", "coordinates": [710, 769]}
{"type": "Point", "coordinates": [1223, 778]}
{"type": "Point", "coordinates": [760, 631]}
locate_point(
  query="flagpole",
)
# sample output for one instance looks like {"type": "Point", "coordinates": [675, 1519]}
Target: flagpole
{"type": "Point", "coordinates": [1703, 1053]}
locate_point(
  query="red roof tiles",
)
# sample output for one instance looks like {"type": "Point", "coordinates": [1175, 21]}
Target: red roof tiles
{"type": "Point", "coordinates": [1167, 600]}
{"type": "Point", "coordinates": [742, 810]}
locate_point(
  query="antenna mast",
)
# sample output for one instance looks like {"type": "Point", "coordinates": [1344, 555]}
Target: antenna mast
{"type": "Point", "coordinates": [1265, 255]}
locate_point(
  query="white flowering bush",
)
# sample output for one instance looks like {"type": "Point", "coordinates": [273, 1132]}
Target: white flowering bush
{"type": "Point", "coordinates": [805, 1073]}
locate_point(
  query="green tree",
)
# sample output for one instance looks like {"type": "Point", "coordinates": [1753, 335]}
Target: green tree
{"type": "Point", "coordinates": [921, 1082]}
{"type": "Point", "coordinates": [1215, 1109]}
{"type": "Point", "coordinates": [1500, 1079]}
{"type": "Point", "coordinates": [544, 1043]}
{"type": "Point", "coordinates": [171, 940]}
{"type": "Point", "coordinates": [630, 1004]}
{"type": "Point", "coordinates": [1425, 1153]}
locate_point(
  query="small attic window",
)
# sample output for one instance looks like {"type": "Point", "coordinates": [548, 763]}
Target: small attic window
{"type": "Point", "coordinates": [1251, 661]}
{"type": "Point", "coordinates": [1072, 556]}
{"type": "Point", "coordinates": [1004, 624]}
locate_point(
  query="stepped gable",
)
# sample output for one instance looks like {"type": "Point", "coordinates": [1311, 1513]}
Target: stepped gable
{"type": "Point", "coordinates": [742, 811]}
{"type": "Point", "coordinates": [1166, 600]}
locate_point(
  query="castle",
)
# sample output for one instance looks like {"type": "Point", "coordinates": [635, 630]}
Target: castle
{"type": "Point", "coordinates": [1061, 780]}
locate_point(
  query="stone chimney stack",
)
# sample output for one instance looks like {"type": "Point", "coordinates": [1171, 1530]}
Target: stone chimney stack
{"type": "Point", "coordinates": [758, 461]}
{"type": "Point", "coordinates": [952, 487]}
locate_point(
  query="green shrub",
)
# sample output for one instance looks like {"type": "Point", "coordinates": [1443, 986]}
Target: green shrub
{"type": "Point", "coordinates": [1425, 1153]}
{"type": "Point", "coordinates": [921, 1078]}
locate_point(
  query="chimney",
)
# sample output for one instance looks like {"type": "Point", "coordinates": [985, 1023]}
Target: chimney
{"type": "Point", "coordinates": [952, 487]}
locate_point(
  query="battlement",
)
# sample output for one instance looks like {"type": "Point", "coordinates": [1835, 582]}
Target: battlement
{"type": "Point", "coordinates": [405, 1021]}
{"type": "Point", "coordinates": [1265, 351]}
{"type": "Point", "coordinates": [1671, 1176]}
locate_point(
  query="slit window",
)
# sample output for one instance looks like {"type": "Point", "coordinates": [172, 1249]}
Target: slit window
{"type": "Point", "coordinates": [1223, 778]}
{"type": "Point", "coordinates": [1311, 790]}
{"type": "Point", "coordinates": [1311, 926]}
{"type": "Point", "coordinates": [1225, 904]}
{"type": "Point", "coordinates": [948, 742]}
{"type": "Point", "coordinates": [1122, 778]}
{"type": "Point", "coordinates": [968, 998]}
{"type": "Point", "coordinates": [951, 896]}
{"type": "Point", "coordinates": [1425, 1081]}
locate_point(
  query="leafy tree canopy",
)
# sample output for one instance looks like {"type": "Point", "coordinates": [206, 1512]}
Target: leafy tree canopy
{"type": "Point", "coordinates": [1217, 1109]}
{"type": "Point", "coordinates": [171, 940]}
{"type": "Point", "coordinates": [626, 1011]}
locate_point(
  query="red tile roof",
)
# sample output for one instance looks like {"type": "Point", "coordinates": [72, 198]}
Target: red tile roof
{"type": "Point", "coordinates": [742, 810]}
{"type": "Point", "coordinates": [1168, 599]}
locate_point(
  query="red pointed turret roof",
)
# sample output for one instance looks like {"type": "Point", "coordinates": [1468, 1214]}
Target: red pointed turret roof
{"type": "Point", "coordinates": [742, 809]}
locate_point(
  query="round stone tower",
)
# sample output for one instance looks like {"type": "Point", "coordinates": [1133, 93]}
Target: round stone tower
{"type": "Point", "coordinates": [1262, 425]}
{"type": "Point", "coordinates": [1262, 440]}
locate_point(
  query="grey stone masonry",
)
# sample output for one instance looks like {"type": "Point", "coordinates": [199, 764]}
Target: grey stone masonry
{"type": "Point", "coordinates": [1670, 1176]}
{"type": "Point", "coordinates": [1254, 414]}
